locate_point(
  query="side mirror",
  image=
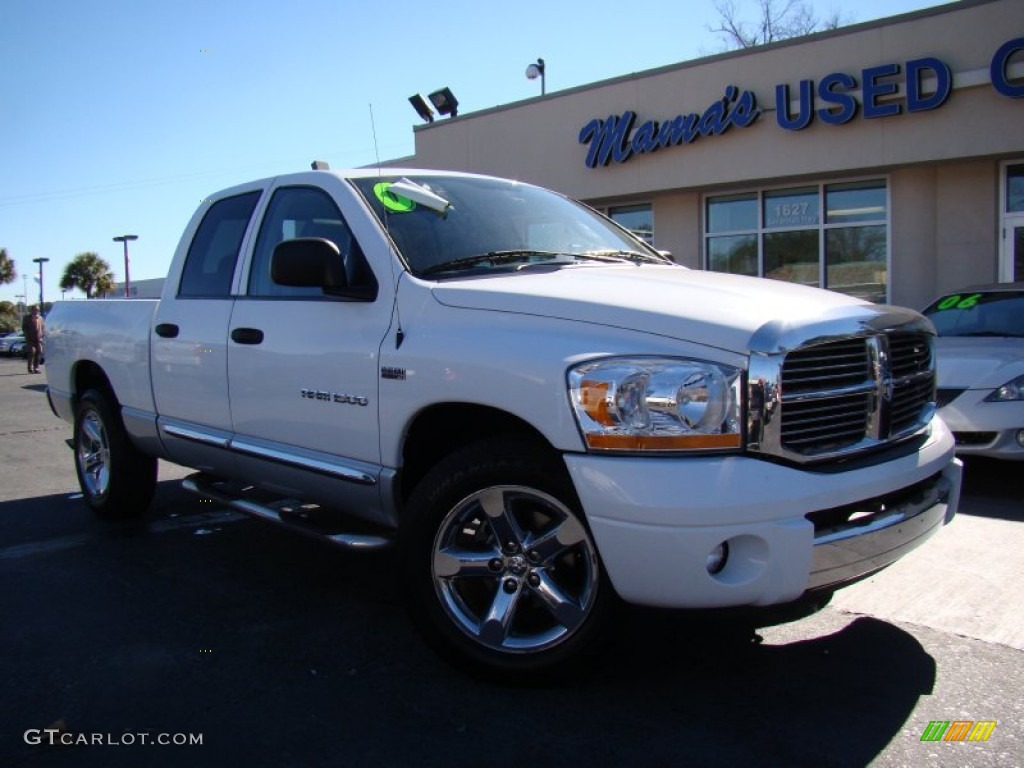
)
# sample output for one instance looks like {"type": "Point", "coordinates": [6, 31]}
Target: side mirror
{"type": "Point", "coordinates": [308, 262]}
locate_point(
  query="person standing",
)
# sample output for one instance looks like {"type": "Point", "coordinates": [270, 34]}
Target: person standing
{"type": "Point", "coordinates": [32, 327]}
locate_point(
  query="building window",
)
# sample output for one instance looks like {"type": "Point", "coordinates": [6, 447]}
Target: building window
{"type": "Point", "coordinates": [638, 219]}
{"type": "Point", "coordinates": [1015, 189]}
{"type": "Point", "coordinates": [827, 235]}
{"type": "Point", "coordinates": [1011, 252]}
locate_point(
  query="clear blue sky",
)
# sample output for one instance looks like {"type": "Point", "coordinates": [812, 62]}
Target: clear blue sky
{"type": "Point", "coordinates": [121, 115]}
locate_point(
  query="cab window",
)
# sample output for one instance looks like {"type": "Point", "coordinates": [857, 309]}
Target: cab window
{"type": "Point", "coordinates": [296, 212]}
{"type": "Point", "coordinates": [210, 263]}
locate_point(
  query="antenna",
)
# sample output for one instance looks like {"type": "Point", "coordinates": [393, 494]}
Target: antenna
{"type": "Point", "coordinates": [399, 333]}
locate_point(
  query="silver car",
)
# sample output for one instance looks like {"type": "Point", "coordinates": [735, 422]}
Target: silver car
{"type": "Point", "coordinates": [980, 359]}
{"type": "Point", "coordinates": [8, 342]}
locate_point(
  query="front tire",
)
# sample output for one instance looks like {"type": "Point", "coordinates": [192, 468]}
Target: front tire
{"type": "Point", "coordinates": [501, 570]}
{"type": "Point", "coordinates": [117, 480]}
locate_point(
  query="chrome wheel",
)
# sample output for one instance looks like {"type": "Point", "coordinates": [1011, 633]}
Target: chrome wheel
{"type": "Point", "coordinates": [515, 569]}
{"type": "Point", "coordinates": [117, 480]}
{"type": "Point", "coordinates": [93, 454]}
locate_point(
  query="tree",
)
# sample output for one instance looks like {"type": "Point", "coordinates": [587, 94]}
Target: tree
{"type": "Point", "coordinates": [777, 20]}
{"type": "Point", "coordinates": [10, 318]}
{"type": "Point", "coordinates": [7, 271]}
{"type": "Point", "coordinates": [89, 273]}
{"type": "Point", "coordinates": [105, 284]}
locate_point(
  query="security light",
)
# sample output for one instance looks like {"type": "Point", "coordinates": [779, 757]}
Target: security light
{"type": "Point", "coordinates": [421, 107]}
{"type": "Point", "coordinates": [533, 71]}
{"type": "Point", "coordinates": [444, 102]}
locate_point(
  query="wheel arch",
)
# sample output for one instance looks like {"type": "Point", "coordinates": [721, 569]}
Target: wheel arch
{"type": "Point", "coordinates": [444, 428]}
{"type": "Point", "coordinates": [87, 375]}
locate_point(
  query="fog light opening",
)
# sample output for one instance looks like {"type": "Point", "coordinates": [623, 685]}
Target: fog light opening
{"type": "Point", "coordinates": [717, 558]}
{"type": "Point", "coordinates": [1020, 437]}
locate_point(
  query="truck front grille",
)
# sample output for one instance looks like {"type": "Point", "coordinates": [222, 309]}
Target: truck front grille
{"type": "Point", "coordinates": [831, 398]}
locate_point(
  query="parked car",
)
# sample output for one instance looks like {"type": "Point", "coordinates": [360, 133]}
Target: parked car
{"type": "Point", "coordinates": [8, 342]}
{"type": "Point", "coordinates": [980, 359]}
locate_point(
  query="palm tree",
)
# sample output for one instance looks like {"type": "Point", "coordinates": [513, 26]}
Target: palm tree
{"type": "Point", "coordinates": [89, 273]}
{"type": "Point", "coordinates": [7, 271]}
{"type": "Point", "coordinates": [105, 284]}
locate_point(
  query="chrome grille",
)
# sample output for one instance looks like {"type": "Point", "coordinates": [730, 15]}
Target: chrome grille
{"type": "Point", "coordinates": [833, 395]}
{"type": "Point", "coordinates": [826, 396]}
{"type": "Point", "coordinates": [913, 377]}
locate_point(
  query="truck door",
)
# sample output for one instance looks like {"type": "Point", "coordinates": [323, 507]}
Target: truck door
{"type": "Point", "coordinates": [189, 336]}
{"type": "Point", "coordinates": [303, 367]}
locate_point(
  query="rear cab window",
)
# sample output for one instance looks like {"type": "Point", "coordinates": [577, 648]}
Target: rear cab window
{"type": "Point", "coordinates": [213, 253]}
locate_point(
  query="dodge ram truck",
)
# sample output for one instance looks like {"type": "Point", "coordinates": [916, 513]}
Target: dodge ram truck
{"type": "Point", "coordinates": [543, 414]}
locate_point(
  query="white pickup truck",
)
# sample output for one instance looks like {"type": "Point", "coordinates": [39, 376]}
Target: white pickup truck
{"type": "Point", "coordinates": [543, 413]}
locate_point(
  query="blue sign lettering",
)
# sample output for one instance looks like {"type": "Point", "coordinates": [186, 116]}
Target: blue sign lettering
{"type": "Point", "coordinates": [608, 138]}
{"type": "Point", "coordinates": [847, 105]}
{"type": "Point", "coordinates": [614, 138]}
{"type": "Point", "coordinates": [916, 102]}
{"type": "Point", "coordinates": [874, 90]}
{"type": "Point", "coordinates": [806, 113]}
{"type": "Point", "coordinates": [1000, 65]}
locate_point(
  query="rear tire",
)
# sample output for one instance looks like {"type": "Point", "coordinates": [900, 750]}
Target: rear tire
{"type": "Point", "coordinates": [502, 574]}
{"type": "Point", "coordinates": [117, 480]}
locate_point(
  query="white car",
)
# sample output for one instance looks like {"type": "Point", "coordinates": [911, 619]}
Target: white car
{"type": "Point", "coordinates": [980, 359]}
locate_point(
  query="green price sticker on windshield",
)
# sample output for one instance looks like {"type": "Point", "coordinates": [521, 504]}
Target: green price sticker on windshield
{"type": "Point", "coordinates": [956, 301]}
{"type": "Point", "coordinates": [391, 201]}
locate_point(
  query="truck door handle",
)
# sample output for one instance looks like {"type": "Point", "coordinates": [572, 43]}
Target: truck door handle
{"type": "Point", "coordinates": [247, 336]}
{"type": "Point", "coordinates": [167, 331]}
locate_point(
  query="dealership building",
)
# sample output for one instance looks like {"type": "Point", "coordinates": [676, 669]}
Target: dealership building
{"type": "Point", "coordinates": [884, 160]}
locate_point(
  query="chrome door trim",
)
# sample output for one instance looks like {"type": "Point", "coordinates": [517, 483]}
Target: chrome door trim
{"type": "Point", "coordinates": [352, 474]}
{"type": "Point", "coordinates": [196, 436]}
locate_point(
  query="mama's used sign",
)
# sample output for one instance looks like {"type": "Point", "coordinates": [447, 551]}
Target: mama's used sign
{"type": "Point", "coordinates": [832, 100]}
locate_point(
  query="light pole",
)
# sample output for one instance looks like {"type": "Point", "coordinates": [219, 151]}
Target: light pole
{"type": "Point", "coordinates": [21, 304]}
{"type": "Point", "coordinates": [127, 281]}
{"type": "Point", "coordinates": [537, 70]}
{"type": "Point", "coordinates": [40, 261]}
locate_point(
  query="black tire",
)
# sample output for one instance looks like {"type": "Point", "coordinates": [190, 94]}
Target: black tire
{"type": "Point", "coordinates": [525, 598]}
{"type": "Point", "coordinates": [116, 479]}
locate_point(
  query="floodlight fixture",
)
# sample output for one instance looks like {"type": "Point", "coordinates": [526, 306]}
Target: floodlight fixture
{"type": "Point", "coordinates": [422, 108]}
{"type": "Point", "coordinates": [444, 102]}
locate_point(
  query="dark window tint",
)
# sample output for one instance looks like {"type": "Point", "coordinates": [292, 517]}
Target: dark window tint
{"type": "Point", "coordinates": [296, 212]}
{"type": "Point", "coordinates": [211, 257]}
{"type": "Point", "coordinates": [977, 313]}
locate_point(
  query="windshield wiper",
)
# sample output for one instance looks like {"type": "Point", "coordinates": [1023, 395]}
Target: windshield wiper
{"type": "Point", "coordinates": [491, 257]}
{"type": "Point", "coordinates": [620, 255]}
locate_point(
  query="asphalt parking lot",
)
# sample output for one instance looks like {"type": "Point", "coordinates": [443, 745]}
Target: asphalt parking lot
{"type": "Point", "coordinates": [276, 650]}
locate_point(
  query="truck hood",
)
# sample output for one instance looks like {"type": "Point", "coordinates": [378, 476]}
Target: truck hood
{"type": "Point", "coordinates": [718, 310]}
{"type": "Point", "coordinates": [978, 362]}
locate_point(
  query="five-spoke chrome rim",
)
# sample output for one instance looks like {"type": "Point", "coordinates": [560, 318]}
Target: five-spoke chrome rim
{"type": "Point", "coordinates": [93, 453]}
{"type": "Point", "coordinates": [515, 569]}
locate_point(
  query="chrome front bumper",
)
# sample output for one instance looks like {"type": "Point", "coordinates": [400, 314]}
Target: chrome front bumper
{"type": "Point", "coordinates": [877, 537]}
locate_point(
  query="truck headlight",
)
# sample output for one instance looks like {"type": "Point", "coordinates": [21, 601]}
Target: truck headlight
{"type": "Point", "coordinates": [1011, 390]}
{"type": "Point", "coordinates": [657, 404]}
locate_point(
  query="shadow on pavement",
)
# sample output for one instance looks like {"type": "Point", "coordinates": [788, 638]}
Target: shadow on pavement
{"type": "Point", "coordinates": [999, 484]}
{"type": "Point", "coordinates": [283, 651]}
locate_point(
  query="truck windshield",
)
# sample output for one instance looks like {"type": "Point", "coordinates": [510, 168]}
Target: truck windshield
{"type": "Point", "coordinates": [476, 225]}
